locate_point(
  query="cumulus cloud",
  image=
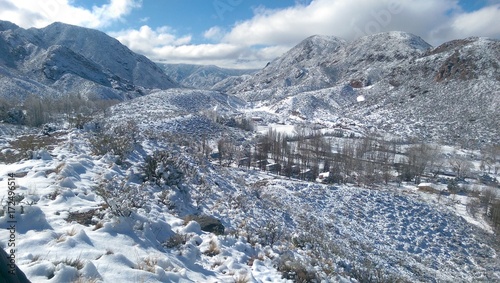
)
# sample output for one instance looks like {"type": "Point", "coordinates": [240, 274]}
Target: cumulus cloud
{"type": "Point", "coordinates": [214, 33]}
{"type": "Point", "coordinates": [145, 40]}
{"type": "Point", "coordinates": [434, 20]}
{"type": "Point", "coordinates": [34, 13]}
{"type": "Point", "coordinates": [478, 23]}
{"type": "Point", "coordinates": [163, 45]}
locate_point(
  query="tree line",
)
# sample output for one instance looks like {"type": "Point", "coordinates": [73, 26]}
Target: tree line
{"type": "Point", "coordinates": [35, 111]}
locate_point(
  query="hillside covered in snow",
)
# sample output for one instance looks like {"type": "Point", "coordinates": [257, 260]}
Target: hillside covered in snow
{"type": "Point", "coordinates": [393, 81]}
{"type": "Point", "coordinates": [376, 160]}
{"type": "Point", "coordinates": [63, 59]}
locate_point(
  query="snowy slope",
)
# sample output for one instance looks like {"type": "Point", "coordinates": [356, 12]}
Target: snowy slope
{"type": "Point", "coordinates": [70, 59]}
{"type": "Point", "coordinates": [67, 232]}
{"type": "Point", "coordinates": [391, 81]}
{"type": "Point", "coordinates": [304, 65]}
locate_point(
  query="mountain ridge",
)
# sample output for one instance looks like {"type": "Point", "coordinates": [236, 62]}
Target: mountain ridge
{"type": "Point", "coordinates": [200, 76]}
{"type": "Point", "coordinates": [60, 54]}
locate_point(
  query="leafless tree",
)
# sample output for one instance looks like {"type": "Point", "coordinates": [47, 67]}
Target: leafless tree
{"type": "Point", "coordinates": [460, 166]}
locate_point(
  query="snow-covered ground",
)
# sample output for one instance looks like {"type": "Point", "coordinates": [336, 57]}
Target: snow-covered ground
{"type": "Point", "coordinates": [66, 231]}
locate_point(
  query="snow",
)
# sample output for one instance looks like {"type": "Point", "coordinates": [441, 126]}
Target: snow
{"type": "Point", "coordinates": [91, 217]}
{"type": "Point", "coordinates": [48, 245]}
{"type": "Point", "coordinates": [409, 234]}
{"type": "Point", "coordinates": [62, 58]}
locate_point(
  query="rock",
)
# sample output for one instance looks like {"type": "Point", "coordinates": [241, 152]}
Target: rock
{"type": "Point", "coordinates": [209, 224]}
{"type": "Point", "coordinates": [5, 268]}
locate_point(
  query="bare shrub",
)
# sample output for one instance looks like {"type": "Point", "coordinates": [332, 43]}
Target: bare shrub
{"type": "Point", "coordinates": [118, 141]}
{"type": "Point", "coordinates": [213, 249]}
{"type": "Point", "coordinates": [293, 269]}
{"type": "Point", "coordinates": [162, 169]}
{"type": "Point", "coordinates": [175, 241]}
{"type": "Point", "coordinates": [121, 198]}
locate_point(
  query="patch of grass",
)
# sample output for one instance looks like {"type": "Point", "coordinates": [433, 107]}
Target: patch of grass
{"type": "Point", "coordinates": [429, 190]}
{"type": "Point", "coordinates": [84, 218]}
{"type": "Point", "coordinates": [76, 262]}
{"type": "Point", "coordinates": [61, 238]}
{"type": "Point", "coordinates": [71, 232]}
{"type": "Point", "coordinates": [175, 241]}
{"type": "Point", "coordinates": [213, 249]}
{"type": "Point", "coordinates": [23, 146]}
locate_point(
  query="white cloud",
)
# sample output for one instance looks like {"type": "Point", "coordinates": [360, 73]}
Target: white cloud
{"type": "Point", "coordinates": [146, 40]}
{"type": "Point", "coordinates": [162, 44]}
{"type": "Point", "coordinates": [214, 33]}
{"type": "Point", "coordinates": [478, 23]}
{"type": "Point", "coordinates": [34, 13]}
{"type": "Point", "coordinates": [434, 20]}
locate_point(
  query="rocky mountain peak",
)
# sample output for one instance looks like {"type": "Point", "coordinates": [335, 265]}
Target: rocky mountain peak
{"type": "Point", "coordinates": [74, 59]}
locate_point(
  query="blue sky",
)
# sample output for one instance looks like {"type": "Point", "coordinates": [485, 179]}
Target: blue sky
{"type": "Point", "coordinates": [249, 33]}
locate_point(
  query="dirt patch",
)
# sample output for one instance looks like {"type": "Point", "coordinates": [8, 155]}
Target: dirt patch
{"type": "Point", "coordinates": [22, 147]}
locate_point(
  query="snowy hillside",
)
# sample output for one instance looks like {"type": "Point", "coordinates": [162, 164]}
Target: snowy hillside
{"type": "Point", "coordinates": [391, 81]}
{"type": "Point", "coordinates": [84, 215]}
{"type": "Point", "coordinates": [200, 76]}
{"type": "Point", "coordinates": [61, 58]}
{"type": "Point", "coordinates": [304, 65]}
{"type": "Point", "coordinates": [376, 160]}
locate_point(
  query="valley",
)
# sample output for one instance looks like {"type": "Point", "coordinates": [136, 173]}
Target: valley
{"type": "Point", "coordinates": [376, 160]}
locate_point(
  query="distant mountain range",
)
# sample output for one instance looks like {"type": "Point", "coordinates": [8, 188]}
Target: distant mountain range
{"type": "Point", "coordinates": [200, 76]}
{"type": "Point", "coordinates": [61, 59]}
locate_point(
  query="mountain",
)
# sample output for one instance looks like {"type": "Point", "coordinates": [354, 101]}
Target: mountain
{"type": "Point", "coordinates": [394, 81]}
{"type": "Point", "coordinates": [319, 62]}
{"type": "Point", "coordinates": [200, 76]}
{"type": "Point", "coordinates": [62, 58]}
{"type": "Point", "coordinates": [304, 65]}
{"type": "Point", "coordinates": [171, 187]}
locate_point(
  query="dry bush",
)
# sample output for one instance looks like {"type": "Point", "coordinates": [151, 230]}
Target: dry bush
{"type": "Point", "coordinates": [76, 263]}
{"type": "Point", "coordinates": [162, 169]}
{"type": "Point", "coordinates": [84, 218]}
{"type": "Point", "coordinates": [295, 270]}
{"type": "Point", "coordinates": [175, 241]}
{"type": "Point", "coordinates": [54, 194]}
{"type": "Point", "coordinates": [118, 141]}
{"type": "Point", "coordinates": [213, 249]}
{"type": "Point", "coordinates": [121, 198]}
{"type": "Point", "coordinates": [148, 264]}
